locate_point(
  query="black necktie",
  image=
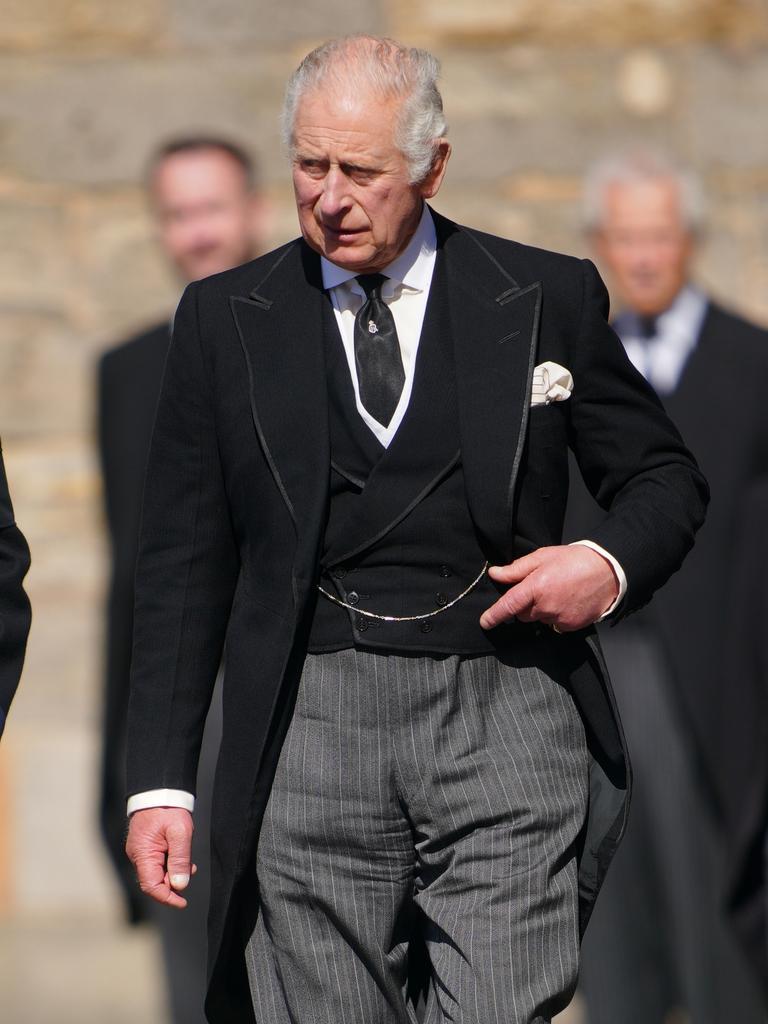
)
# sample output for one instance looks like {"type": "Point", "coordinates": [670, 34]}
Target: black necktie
{"type": "Point", "coordinates": [380, 373]}
{"type": "Point", "coordinates": [647, 326]}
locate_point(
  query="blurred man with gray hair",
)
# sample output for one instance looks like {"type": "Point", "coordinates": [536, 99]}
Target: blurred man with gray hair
{"type": "Point", "coordinates": [689, 682]}
{"type": "Point", "coordinates": [357, 477]}
{"type": "Point", "coordinates": [209, 215]}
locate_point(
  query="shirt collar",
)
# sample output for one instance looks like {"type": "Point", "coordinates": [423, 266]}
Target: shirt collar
{"type": "Point", "coordinates": [682, 319]}
{"type": "Point", "coordinates": [412, 268]}
{"type": "Point", "coordinates": [685, 315]}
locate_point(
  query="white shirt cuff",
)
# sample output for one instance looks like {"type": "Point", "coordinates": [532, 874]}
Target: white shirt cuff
{"type": "Point", "coordinates": [616, 566]}
{"type": "Point", "coordinates": [160, 798]}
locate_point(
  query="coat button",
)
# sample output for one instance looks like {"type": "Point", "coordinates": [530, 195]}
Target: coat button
{"type": "Point", "coordinates": [441, 600]}
{"type": "Point", "coordinates": [339, 573]}
{"type": "Point", "coordinates": [426, 626]}
{"type": "Point", "coordinates": [362, 623]}
{"type": "Point", "coordinates": [445, 571]}
{"type": "Point", "coordinates": [353, 597]}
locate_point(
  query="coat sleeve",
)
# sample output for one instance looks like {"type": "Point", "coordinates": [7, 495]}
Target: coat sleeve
{"type": "Point", "coordinates": [15, 615]}
{"type": "Point", "coordinates": [631, 456]}
{"type": "Point", "coordinates": [186, 574]}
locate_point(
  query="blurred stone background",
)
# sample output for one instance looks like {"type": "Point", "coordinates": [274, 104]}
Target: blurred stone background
{"type": "Point", "coordinates": [534, 89]}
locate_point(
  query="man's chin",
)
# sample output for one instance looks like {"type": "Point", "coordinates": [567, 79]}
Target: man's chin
{"type": "Point", "coordinates": [360, 258]}
{"type": "Point", "coordinates": [351, 252]}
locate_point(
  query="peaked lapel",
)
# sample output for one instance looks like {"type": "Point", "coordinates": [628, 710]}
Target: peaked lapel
{"type": "Point", "coordinates": [279, 324]}
{"type": "Point", "coordinates": [495, 327]}
{"type": "Point", "coordinates": [422, 451]}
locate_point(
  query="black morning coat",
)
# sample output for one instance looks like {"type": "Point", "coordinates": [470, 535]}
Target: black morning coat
{"type": "Point", "coordinates": [236, 502]}
{"type": "Point", "coordinates": [15, 615]}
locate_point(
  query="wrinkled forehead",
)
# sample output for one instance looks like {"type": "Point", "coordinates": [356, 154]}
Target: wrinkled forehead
{"type": "Point", "coordinates": [344, 119]}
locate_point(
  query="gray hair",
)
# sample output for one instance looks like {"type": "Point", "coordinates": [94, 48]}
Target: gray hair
{"type": "Point", "coordinates": [392, 70]}
{"type": "Point", "coordinates": [633, 167]}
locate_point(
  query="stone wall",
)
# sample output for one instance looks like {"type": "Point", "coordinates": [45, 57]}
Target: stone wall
{"type": "Point", "coordinates": [533, 88]}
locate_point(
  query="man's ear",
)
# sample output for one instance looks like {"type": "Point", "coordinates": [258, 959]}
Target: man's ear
{"type": "Point", "coordinates": [434, 178]}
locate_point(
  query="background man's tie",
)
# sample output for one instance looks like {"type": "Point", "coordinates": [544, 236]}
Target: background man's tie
{"type": "Point", "coordinates": [380, 371]}
{"type": "Point", "coordinates": [647, 327]}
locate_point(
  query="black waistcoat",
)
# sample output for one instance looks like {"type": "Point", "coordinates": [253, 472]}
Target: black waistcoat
{"type": "Point", "coordinates": [400, 539]}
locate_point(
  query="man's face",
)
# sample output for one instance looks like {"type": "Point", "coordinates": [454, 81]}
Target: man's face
{"type": "Point", "coordinates": [355, 204]}
{"type": "Point", "coordinates": [644, 243]}
{"type": "Point", "coordinates": [208, 219]}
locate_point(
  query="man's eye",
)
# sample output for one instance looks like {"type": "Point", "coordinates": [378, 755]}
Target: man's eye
{"type": "Point", "coordinates": [312, 168]}
{"type": "Point", "coordinates": [361, 175]}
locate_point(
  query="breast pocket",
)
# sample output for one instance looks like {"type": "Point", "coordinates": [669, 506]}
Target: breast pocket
{"type": "Point", "coordinates": [548, 447]}
{"type": "Point", "coordinates": [547, 464]}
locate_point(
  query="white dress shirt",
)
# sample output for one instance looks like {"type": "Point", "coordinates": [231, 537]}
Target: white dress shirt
{"type": "Point", "coordinates": [406, 294]}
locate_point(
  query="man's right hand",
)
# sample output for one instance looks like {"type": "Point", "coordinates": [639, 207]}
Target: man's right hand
{"type": "Point", "coordinates": [159, 846]}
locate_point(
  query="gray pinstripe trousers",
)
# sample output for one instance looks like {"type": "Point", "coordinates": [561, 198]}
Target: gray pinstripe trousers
{"type": "Point", "coordinates": [444, 794]}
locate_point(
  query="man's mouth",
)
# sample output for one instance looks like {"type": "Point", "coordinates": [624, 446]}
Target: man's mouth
{"type": "Point", "coordinates": [341, 233]}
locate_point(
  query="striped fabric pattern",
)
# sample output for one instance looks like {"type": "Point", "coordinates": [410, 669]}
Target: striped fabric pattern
{"type": "Point", "coordinates": [433, 796]}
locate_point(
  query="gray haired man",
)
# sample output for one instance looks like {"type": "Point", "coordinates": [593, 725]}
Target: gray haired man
{"type": "Point", "coordinates": [689, 680]}
{"type": "Point", "coordinates": [358, 476]}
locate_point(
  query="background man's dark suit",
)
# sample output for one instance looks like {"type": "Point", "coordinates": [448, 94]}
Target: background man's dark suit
{"type": "Point", "coordinates": [743, 762]}
{"type": "Point", "coordinates": [236, 503]}
{"type": "Point", "coordinates": [15, 613]}
{"type": "Point", "coordinates": [129, 379]}
{"type": "Point", "coordinates": [203, 196]}
{"type": "Point", "coordinates": [719, 407]}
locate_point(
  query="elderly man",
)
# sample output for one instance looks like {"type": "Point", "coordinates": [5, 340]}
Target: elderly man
{"type": "Point", "coordinates": [357, 478]}
{"type": "Point", "coordinates": [14, 605]}
{"type": "Point", "coordinates": [210, 216]}
{"type": "Point", "coordinates": [686, 671]}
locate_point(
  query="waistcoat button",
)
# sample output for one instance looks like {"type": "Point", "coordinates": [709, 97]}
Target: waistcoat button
{"type": "Point", "coordinates": [426, 626]}
{"type": "Point", "coordinates": [445, 571]}
{"type": "Point", "coordinates": [353, 597]}
{"type": "Point", "coordinates": [441, 600]}
{"type": "Point", "coordinates": [361, 623]}
{"type": "Point", "coordinates": [340, 572]}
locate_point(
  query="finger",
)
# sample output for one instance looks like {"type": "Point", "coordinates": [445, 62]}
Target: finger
{"type": "Point", "coordinates": [516, 602]}
{"type": "Point", "coordinates": [179, 859]}
{"type": "Point", "coordinates": [154, 882]}
{"type": "Point", "coordinates": [516, 571]}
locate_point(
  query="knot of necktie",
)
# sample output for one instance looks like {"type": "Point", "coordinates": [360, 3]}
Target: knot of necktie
{"type": "Point", "coordinates": [371, 284]}
{"type": "Point", "coordinates": [648, 326]}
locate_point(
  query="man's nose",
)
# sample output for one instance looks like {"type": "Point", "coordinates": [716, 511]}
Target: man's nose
{"type": "Point", "coordinates": [335, 198]}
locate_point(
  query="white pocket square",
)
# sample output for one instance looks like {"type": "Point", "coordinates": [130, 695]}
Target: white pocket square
{"type": "Point", "coordinates": [551, 383]}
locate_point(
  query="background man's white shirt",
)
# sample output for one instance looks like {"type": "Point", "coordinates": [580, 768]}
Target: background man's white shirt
{"type": "Point", "coordinates": [662, 358]}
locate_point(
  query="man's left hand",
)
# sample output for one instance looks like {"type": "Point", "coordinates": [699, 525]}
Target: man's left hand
{"type": "Point", "coordinates": [568, 586]}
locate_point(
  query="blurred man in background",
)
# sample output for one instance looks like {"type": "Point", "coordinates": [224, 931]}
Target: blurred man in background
{"type": "Point", "coordinates": [210, 217]}
{"type": "Point", "coordinates": [658, 940]}
{"type": "Point", "coordinates": [14, 605]}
